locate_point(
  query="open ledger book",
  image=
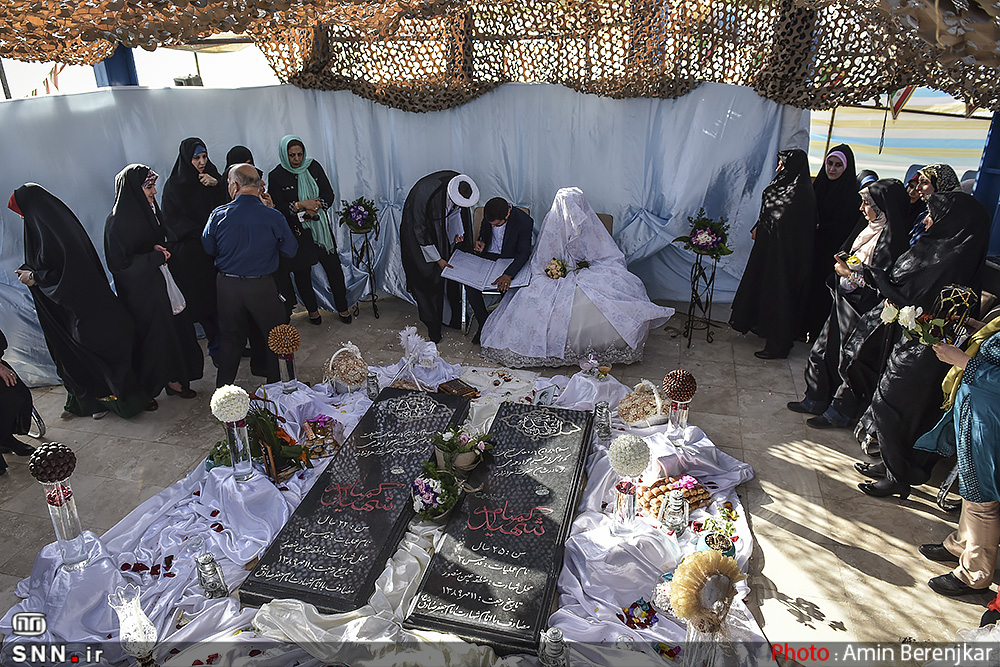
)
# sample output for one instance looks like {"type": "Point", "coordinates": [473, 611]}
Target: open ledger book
{"type": "Point", "coordinates": [480, 273]}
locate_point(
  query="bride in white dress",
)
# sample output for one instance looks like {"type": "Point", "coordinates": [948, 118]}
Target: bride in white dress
{"type": "Point", "coordinates": [602, 309]}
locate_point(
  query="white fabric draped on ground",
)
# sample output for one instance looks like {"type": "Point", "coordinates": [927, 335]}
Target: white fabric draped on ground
{"type": "Point", "coordinates": [601, 574]}
{"type": "Point", "coordinates": [601, 309]}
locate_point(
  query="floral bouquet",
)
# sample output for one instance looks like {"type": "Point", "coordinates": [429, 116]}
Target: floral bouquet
{"type": "Point", "coordinates": [707, 236]}
{"type": "Point", "coordinates": [360, 216]}
{"type": "Point", "coordinates": [459, 452]}
{"type": "Point", "coordinates": [917, 324]}
{"type": "Point", "coordinates": [435, 493]}
{"type": "Point", "coordinates": [558, 268]}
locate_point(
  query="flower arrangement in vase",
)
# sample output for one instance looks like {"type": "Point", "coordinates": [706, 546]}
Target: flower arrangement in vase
{"type": "Point", "coordinates": [707, 236]}
{"type": "Point", "coordinates": [459, 452]}
{"type": "Point", "coordinates": [360, 216]}
{"type": "Point", "coordinates": [435, 493]}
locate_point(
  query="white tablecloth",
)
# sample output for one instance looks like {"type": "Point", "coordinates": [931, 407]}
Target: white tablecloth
{"type": "Point", "coordinates": [601, 574]}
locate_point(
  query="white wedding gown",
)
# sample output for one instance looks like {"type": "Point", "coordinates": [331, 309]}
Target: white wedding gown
{"type": "Point", "coordinates": [601, 310]}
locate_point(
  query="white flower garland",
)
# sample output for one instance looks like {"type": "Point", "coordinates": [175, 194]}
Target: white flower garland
{"type": "Point", "coordinates": [629, 455]}
{"type": "Point", "coordinates": [230, 403]}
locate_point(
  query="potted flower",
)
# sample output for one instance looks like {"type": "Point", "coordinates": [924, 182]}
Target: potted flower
{"type": "Point", "coordinates": [360, 216]}
{"type": "Point", "coordinates": [459, 452]}
{"type": "Point", "coordinates": [435, 493]}
{"type": "Point", "coordinates": [707, 236]}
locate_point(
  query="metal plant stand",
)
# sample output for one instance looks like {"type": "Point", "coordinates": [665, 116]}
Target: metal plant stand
{"type": "Point", "coordinates": [363, 257]}
{"type": "Point", "coordinates": [699, 315]}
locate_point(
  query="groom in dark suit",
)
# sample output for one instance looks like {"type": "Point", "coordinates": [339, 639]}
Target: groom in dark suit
{"type": "Point", "coordinates": [506, 233]}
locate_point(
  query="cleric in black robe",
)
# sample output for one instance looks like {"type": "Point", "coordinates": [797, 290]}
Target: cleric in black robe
{"type": "Point", "coordinates": [192, 191]}
{"type": "Point", "coordinates": [837, 204]}
{"type": "Point", "coordinates": [772, 291]}
{"type": "Point", "coordinates": [907, 398]}
{"type": "Point", "coordinates": [165, 348]}
{"type": "Point", "coordinates": [427, 246]}
{"type": "Point", "coordinates": [87, 330]}
{"type": "Point", "coordinates": [15, 410]}
{"type": "Point", "coordinates": [881, 237]}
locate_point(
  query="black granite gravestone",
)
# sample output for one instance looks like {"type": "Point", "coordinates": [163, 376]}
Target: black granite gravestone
{"type": "Point", "coordinates": [493, 580]}
{"type": "Point", "coordinates": [336, 544]}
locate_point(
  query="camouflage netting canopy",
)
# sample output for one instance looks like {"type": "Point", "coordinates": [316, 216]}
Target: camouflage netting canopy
{"type": "Point", "coordinates": [426, 55]}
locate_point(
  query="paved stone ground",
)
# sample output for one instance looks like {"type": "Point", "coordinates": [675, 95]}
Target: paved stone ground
{"type": "Point", "coordinates": [831, 564]}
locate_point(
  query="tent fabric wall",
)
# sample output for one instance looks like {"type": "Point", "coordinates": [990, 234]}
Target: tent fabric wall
{"type": "Point", "coordinates": [649, 162]}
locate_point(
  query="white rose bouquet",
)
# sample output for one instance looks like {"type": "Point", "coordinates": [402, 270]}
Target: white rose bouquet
{"type": "Point", "coordinates": [230, 404]}
{"type": "Point", "coordinates": [629, 455]}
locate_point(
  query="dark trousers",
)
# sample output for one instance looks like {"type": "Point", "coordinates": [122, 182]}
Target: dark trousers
{"type": "Point", "coordinates": [303, 282]}
{"type": "Point", "coordinates": [248, 308]}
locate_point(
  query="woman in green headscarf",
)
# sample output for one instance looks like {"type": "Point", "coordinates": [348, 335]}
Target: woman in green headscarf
{"type": "Point", "coordinates": [302, 192]}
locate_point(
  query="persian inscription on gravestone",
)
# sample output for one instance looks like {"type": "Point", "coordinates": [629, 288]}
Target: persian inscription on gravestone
{"type": "Point", "coordinates": [336, 543]}
{"type": "Point", "coordinates": [494, 578]}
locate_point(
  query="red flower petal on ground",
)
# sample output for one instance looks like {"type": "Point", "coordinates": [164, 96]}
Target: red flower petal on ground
{"type": "Point", "coordinates": [197, 493]}
{"type": "Point", "coordinates": [217, 527]}
{"type": "Point", "coordinates": [155, 570]}
{"type": "Point", "coordinates": [168, 562]}
{"type": "Point", "coordinates": [169, 574]}
{"type": "Point", "coordinates": [215, 513]}
{"type": "Point", "coordinates": [255, 652]}
{"type": "Point", "coordinates": [139, 567]}
{"type": "Point", "coordinates": [174, 651]}
{"type": "Point", "coordinates": [126, 567]}
{"type": "Point", "coordinates": [212, 658]}
{"type": "Point", "coordinates": [197, 662]}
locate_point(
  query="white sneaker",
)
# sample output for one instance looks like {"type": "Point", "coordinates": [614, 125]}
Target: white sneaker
{"type": "Point", "coordinates": [99, 415]}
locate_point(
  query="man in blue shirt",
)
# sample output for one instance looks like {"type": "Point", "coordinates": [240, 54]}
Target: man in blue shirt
{"type": "Point", "coordinates": [245, 237]}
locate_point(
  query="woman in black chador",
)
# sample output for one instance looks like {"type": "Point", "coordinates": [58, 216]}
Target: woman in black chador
{"type": "Point", "coordinates": [837, 204]}
{"type": "Point", "coordinates": [193, 190]}
{"type": "Point", "coordinates": [770, 298]}
{"type": "Point", "coordinates": [165, 350]}
{"type": "Point", "coordinates": [433, 202]}
{"type": "Point", "coordinates": [877, 241]}
{"type": "Point", "coordinates": [908, 395]}
{"type": "Point", "coordinates": [15, 411]}
{"type": "Point", "coordinates": [87, 330]}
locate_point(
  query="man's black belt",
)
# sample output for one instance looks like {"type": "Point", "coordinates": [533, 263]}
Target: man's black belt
{"type": "Point", "coordinates": [230, 275]}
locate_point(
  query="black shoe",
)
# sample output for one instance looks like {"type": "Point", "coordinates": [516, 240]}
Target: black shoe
{"type": "Point", "coordinates": [346, 319]}
{"type": "Point", "coordinates": [990, 617]}
{"type": "Point", "coordinates": [454, 324]}
{"type": "Point", "coordinates": [872, 470]}
{"type": "Point", "coordinates": [316, 320]}
{"type": "Point", "coordinates": [764, 354]}
{"type": "Point", "coordinates": [937, 552]}
{"type": "Point", "coordinates": [821, 422]}
{"type": "Point", "coordinates": [800, 407]}
{"type": "Point", "coordinates": [951, 586]}
{"type": "Point", "coordinates": [152, 406]}
{"type": "Point", "coordinates": [15, 446]}
{"type": "Point", "coordinates": [885, 488]}
{"type": "Point", "coordinates": [185, 392]}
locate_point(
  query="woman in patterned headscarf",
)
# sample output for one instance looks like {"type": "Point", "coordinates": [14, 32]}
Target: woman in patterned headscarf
{"type": "Point", "coordinates": [930, 179]}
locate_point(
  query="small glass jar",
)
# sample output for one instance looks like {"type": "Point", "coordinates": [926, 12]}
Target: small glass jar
{"type": "Point", "coordinates": [373, 388]}
{"type": "Point", "coordinates": [602, 420]}
{"type": "Point", "coordinates": [625, 507]}
{"type": "Point", "coordinates": [674, 514]}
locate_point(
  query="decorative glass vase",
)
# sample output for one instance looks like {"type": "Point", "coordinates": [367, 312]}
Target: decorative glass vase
{"type": "Point", "coordinates": [137, 633]}
{"type": "Point", "coordinates": [679, 414]}
{"type": "Point", "coordinates": [286, 366]}
{"type": "Point", "coordinates": [239, 450]}
{"type": "Point", "coordinates": [602, 420]}
{"type": "Point", "coordinates": [66, 521]}
{"type": "Point", "coordinates": [625, 507]}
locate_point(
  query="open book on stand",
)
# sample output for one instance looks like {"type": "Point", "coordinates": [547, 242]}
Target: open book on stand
{"type": "Point", "coordinates": [481, 273]}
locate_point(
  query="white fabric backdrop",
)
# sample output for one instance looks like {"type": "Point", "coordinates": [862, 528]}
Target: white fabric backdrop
{"type": "Point", "coordinates": [648, 162]}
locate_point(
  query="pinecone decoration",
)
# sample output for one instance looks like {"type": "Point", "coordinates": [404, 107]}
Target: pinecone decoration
{"type": "Point", "coordinates": [679, 385]}
{"type": "Point", "coordinates": [52, 462]}
{"type": "Point", "coordinates": [284, 339]}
